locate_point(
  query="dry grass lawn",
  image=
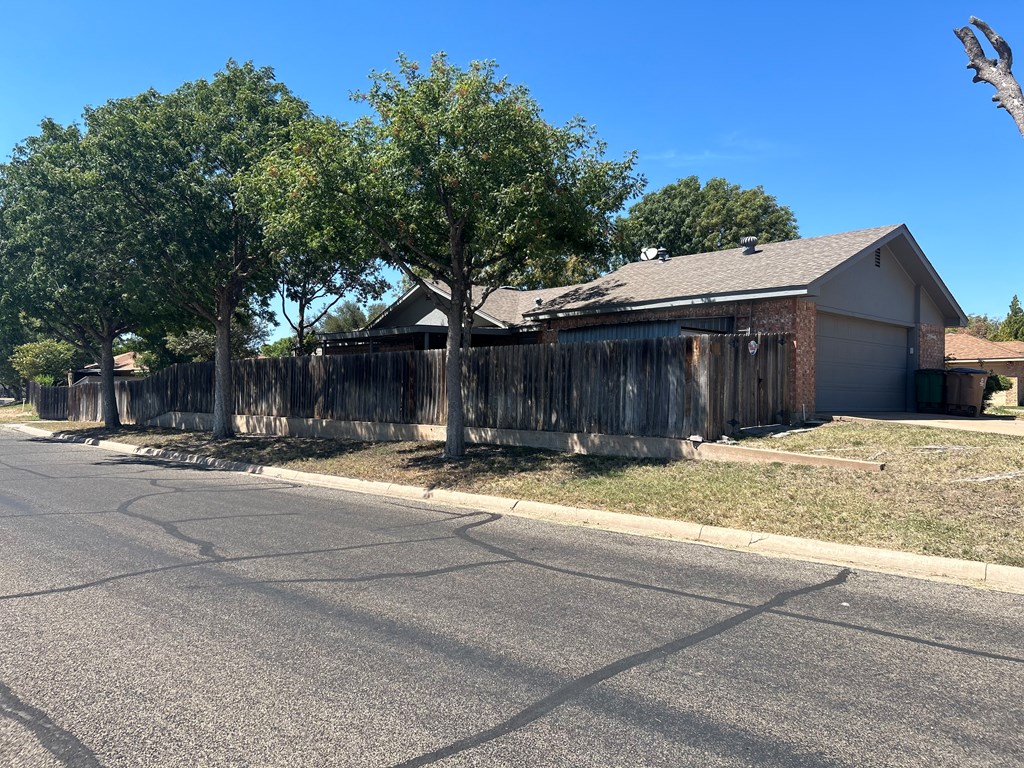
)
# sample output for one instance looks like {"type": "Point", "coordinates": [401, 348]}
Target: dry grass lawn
{"type": "Point", "coordinates": [943, 492]}
{"type": "Point", "coordinates": [16, 414]}
{"type": "Point", "coordinates": [1006, 410]}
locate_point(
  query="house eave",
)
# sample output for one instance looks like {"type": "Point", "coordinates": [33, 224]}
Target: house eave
{"type": "Point", "coordinates": [689, 301]}
{"type": "Point", "coordinates": [983, 360]}
{"type": "Point", "coordinates": [369, 334]}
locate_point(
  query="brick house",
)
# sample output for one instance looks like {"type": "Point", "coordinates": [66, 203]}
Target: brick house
{"type": "Point", "coordinates": [864, 308]}
{"type": "Point", "coordinates": [1005, 358]}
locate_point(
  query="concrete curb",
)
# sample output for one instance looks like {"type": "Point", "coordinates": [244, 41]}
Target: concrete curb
{"type": "Point", "coordinates": [1001, 577]}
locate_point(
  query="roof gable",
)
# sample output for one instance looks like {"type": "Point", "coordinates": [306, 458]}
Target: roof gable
{"type": "Point", "coordinates": [912, 261]}
{"type": "Point", "coordinates": [406, 311]}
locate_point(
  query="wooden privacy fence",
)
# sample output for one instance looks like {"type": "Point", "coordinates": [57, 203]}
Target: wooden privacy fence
{"type": "Point", "coordinates": [49, 402]}
{"type": "Point", "coordinates": [709, 385]}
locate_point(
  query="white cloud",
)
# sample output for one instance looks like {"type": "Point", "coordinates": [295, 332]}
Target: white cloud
{"type": "Point", "coordinates": [730, 147]}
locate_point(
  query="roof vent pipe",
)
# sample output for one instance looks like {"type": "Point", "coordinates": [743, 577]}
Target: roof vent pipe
{"type": "Point", "coordinates": [663, 254]}
{"type": "Point", "coordinates": [749, 245]}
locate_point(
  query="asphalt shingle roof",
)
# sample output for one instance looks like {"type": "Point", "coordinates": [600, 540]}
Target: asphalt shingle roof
{"type": "Point", "coordinates": [508, 305]}
{"type": "Point", "coordinates": [961, 346]}
{"type": "Point", "coordinates": [126, 361]}
{"type": "Point", "coordinates": [775, 266]}
{"type": "Point", "coordinates": [789, 265]}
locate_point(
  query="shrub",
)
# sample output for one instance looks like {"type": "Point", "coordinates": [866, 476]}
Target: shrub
{"type": "Point", "coordinates": [995, 384]}
{"type": "Point", "coordinates": [44, 362]}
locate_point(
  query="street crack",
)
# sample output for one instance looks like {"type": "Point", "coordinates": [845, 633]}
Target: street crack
{"type": "Point", "coordinates": [219, 561]}
{"type": "Point", "coordinates": [579, 686]}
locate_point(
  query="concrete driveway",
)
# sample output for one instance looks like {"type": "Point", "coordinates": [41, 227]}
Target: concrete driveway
{"type": "Point", "coordinates": [996, 425]}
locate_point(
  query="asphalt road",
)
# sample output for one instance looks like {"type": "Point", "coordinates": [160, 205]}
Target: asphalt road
{"type": "Point", "coordinates": [158, 615]}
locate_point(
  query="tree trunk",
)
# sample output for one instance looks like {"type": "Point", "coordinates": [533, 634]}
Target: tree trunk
{"type": "Point", "coordinates": [111, 418]}
{"type": "Point", "coordinates": [455, 434]}
{"type": "Point", "coordinates": [223, 395]}
{"type": "Point", "coordinates": [300, 329]}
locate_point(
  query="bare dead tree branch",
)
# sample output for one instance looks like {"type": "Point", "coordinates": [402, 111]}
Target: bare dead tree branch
{"type": "Point", "coordinates": [995, 72]}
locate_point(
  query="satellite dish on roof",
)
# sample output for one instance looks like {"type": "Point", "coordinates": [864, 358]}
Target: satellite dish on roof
{"type": "Point", "coordinates": [648, 254]}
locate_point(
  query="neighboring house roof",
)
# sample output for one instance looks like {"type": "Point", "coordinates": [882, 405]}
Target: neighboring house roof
{"type": "Point", "coordinates": [504, 307]}
{"type": "Point", "coordinates": [967, 348]}
{"type": "Point", "coordinates": [123, 362]}
{"type": "Point", "coordinates": [789, 268]}
{"type": "Point", "coordinates": [1016, 346]}
{"type": "Point", "coordinates": [511, 305]}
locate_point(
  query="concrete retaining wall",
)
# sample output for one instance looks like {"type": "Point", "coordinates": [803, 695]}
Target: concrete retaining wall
{"type": "Point", "coordinates": [566, 442]}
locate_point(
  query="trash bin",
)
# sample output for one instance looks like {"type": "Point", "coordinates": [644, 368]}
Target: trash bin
{"type": "Point", "coordinates": [950, 391]}
{"type": "Point", "coordinates": [930, 387]}
{"type": "Point", "coordinates": [965, 390]}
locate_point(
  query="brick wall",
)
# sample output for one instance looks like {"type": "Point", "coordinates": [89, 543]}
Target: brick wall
{"type": "Point", "coordinates": [805, 331]}
{"type": "Point", "coordinates": [1011, 396]}
{"type": "Point", "coordinates": [931, 346]}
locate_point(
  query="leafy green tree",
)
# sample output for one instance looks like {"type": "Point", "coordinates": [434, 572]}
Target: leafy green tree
{"type": "Point", "coordinates": [315, 284]}
{"type": "Point", "coordinates": [982, 326]}
{"type": "Point", "coordinates": [1012, 326]}
{"type": "Point", "coordinates": [687, 218]}
{"type": "Point", "coordinates": [13, 329]}
{"type": "Point", "coordinates": [46, 362]}
{"type": "Point", "coordinates": [199, 345]}
{"type": "Point", "coordinates": [319, 261]}
{"type": "Point", "coordinates": [182, 160]}
{"type": "Point", "coordinates": [568, 270]}
{"type": "Point", "coordinates": [71, 256]}
{"type": "Point", "coordinates": [350, 316]}
{"type": "Point", "coordinates": [283, 347]}
{"type": "Point", "coordinates": [163, 345]}
{"type": "Point", "coordinates": [458, 178]}
{"type": "Point", "coordinates": [13, 333]}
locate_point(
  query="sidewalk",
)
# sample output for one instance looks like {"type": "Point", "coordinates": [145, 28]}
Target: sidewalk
{"type": "Point", "coordinates": [995, 425]}
{"type": "Point", "coordinates": [1001, 577]}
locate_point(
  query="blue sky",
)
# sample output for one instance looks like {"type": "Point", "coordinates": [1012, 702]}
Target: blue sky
{"type": "Point", "coordinates": [853, 114]}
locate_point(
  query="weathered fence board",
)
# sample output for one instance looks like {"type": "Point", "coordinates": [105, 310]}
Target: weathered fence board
{"type": "Point", "coordinates": [676, 387]}
{"type": "Point", "coordinates": [49, 402]}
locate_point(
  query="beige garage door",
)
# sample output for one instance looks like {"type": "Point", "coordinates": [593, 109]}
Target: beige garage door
{"type": "Point", "coordinates": [861, 365]}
